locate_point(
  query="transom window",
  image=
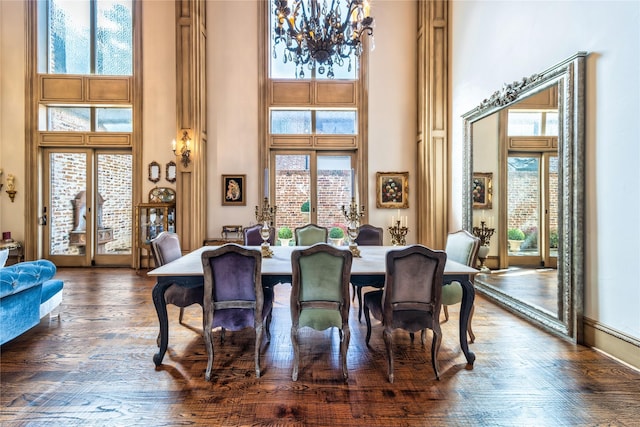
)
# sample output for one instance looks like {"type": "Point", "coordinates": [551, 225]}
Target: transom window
{"type": "Point", "coordinates": [311, 121]}
{"type": "Point", "coordinates": [86, 37]}
{"type": "Point", "coordinates": [533, 123]}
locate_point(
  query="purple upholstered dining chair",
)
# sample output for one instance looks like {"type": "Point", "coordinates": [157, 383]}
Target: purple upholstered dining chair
{"type": "Point", "coordinates": [252, 236]}
{"type": "Point", "coordinates": [368, 235]}
{"type": "Point", "coordinates": [166, 248]}
{"type": "Point", "coordinates": [233, 296]}
{"type": "Point", "coordinates": [410, 299]}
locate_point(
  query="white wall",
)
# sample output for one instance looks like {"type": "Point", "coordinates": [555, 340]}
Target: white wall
{"type": "Point", "coordinates": [158, 88]}
{"type": "Point", "coordinates": [12, 135]}
{"type": "Point", "coordinates": [232, 82]}
{"type": "Point", "coordinates": [232, 91]}
{"type": "Point", "coordinates": [539, 35]}
{"type": "Point", "coordinates": [393, 104]}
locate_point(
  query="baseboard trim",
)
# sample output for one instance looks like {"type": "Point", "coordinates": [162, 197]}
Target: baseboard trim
{"type": "Point", "coordinates": [611, 342]}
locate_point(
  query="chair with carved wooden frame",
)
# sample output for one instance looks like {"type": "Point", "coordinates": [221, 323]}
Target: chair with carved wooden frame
{"type": "Point", "coordinates": [410, 299]}
{"type": "Point", "coordinates": [310, 234]}
{"type": "Point", "coordinates": [462, 247]}
{"type": "Point", "coordinates": [233, 296]}
{"type": "Point", "coordinates": [320, 295]}
{"type": "Point", "coordinates": [369, 235]}
{"type": "Point", "coordinates": [253, 237]}
{"type": "Point", "coordinates": [164, 249]}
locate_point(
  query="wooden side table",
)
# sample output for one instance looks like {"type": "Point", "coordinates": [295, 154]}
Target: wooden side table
{"type": "Point", "coordinates": [16, 252]}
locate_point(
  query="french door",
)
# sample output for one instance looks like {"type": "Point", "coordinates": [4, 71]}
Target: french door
{"type": "Point", "coordinates": [87, 207]}
{"type": "Point", "coordinates": [312, 187]}
{"type": "Point", "coordinates": [532, 207]}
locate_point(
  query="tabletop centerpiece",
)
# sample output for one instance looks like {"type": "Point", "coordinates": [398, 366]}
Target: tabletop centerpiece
{"type": "Point", "coordinates": [353, 215]}
{"type": "Point", "coordinates": [265, 214]}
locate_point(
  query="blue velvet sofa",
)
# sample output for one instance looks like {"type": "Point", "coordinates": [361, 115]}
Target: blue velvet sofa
{"type": "Point", "coordinates": [28, 292]}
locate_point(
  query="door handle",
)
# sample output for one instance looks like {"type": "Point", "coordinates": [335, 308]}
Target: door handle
{"type": "Point", "coordinates": [43, 218]}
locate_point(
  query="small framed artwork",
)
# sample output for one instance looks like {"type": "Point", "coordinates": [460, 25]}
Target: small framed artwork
{"type": "Point", "coordinates": [233, 187]}
{"type": "Point", "coordinates": [482, 190]}
{"type": "Point", "coordinates": [171, 173]}
{"type": "Point", "coordinates": [392, 190]}
{"type": "Point", "coordinates": [154, 171]}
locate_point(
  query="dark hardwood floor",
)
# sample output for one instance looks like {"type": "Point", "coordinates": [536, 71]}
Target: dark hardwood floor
{"type": "Point", "coordinates": [95, 368]}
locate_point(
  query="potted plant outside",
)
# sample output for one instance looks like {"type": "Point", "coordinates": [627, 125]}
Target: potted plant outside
{"type": "Point", "coordinates": [285, 235]}
{"type": "Point", "coordinates": [515, 236]}
{"type": "Point", "coordinates": [304, 209]}
{"type": "Point", "coordinates": [336, 235]}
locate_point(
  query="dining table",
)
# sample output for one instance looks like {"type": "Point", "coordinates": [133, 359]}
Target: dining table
{"type": "Point", "coordinates": [370, 267]}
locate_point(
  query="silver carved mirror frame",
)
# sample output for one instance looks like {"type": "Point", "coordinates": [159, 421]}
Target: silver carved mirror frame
{"type": "Point", "coordinates": [569, 76]}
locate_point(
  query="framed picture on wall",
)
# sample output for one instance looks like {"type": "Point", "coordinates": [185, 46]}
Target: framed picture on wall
{"type": "Point", "coordinates": [482, 190]}
{"type": "Point", "coordinates": [233, 187]}
{"type": "Point", "coordinates": [392, 190]}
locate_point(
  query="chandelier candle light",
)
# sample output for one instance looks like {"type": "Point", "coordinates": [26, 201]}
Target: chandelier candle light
{"type": "Point", "coordinates": [484, 233]}
{"type": "Point", "coordinates": [185, 151]}
{"type": "Point", "coordinates": [318, 35]}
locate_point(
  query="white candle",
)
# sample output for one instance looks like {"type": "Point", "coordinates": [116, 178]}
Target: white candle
{"type": "Point", "coordinates": [173, 145]}
{"type": "Point", "coordinates": [266, 183]}
{"type": "Point", "coordinates": [393, 220]}
{"type": "Point", "coordinates": [353, 183]}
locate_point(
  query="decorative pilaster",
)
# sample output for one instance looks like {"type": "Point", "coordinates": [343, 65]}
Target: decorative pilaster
{"type": "Point", "coordinates": [191, 203]}
{"type": "Point", "coordinates": [432, 138]}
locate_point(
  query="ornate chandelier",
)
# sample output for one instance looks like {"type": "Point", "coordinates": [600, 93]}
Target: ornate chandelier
{"type": "Point", "coordinates": [319, 35]}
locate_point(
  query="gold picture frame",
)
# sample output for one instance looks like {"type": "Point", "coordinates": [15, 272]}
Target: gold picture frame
{"type": "Point", "coordinates": [392, 190]}
{"type": "Point", "coordinates": [482, 190]}
{"type": "Point", "coordinates": [233, 190]}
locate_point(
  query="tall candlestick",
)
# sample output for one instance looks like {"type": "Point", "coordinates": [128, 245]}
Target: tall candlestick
{"type": "Point", "coordinates": [266, 183]}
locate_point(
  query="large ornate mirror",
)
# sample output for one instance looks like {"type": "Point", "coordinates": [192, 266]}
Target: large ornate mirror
{"type": "Point", "coordinates": [528, 138]}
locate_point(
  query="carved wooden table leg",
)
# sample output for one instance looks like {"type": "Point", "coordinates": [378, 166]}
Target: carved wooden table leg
{"type": "Point", "coordinates": [161, 309]}
{"type": "Point", "coordinates": [468, 296]}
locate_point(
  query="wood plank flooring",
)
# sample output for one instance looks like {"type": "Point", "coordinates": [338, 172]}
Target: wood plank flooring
{"type": "Point", "coordinates": [95, 368]}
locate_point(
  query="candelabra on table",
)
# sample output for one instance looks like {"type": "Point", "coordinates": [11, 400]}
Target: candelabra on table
{"type": "Point", "coordinates": [353, 216]}
{"type": "Point", "coordinates": [398, 234]}
{"type": "Point", "coordinates": [484, 233]}
{"type": "Point", "coordinates": [265, 214]}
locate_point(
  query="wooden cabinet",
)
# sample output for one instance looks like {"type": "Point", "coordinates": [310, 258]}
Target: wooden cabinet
{"type": "Point", "coordinates": [151, 220]}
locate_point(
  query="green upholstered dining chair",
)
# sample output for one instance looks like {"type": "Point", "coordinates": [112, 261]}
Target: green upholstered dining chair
{"type": "Point", "coordinates": [320, 295]}
{"type": "Point", "coordinates": [310, 234]}
{"type": "Point", "coordinates": [164, 249]}
{"type": "Point", "coordinates": [368, 235]}
{"type": "Point", "coordinates": [233, 296]}
{"type": "Point", "coordinates": [461, 247]}
{"type": "Point", "coordinates": [410, 299]}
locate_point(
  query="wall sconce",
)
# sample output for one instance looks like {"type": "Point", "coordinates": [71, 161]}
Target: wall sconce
{"type": "Point", "coordinates": [185, 151]}
{"type": "Point", "coordinates": [11, 187]}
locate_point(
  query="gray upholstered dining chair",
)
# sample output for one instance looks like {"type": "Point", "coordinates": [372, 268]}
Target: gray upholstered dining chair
{"type": "Point", "coordinates": [410, 299]}
{"type": "Point", "coordinates": [233, 296]}
{"type": "Point", "coordinates": [461, 247]}
{"type": "Point", "coordinates": [320, 295]}
{"type": "Point", "coordinates": [164, 249]}
{"type": "Point", "coordinates": [310, 234]}
{"type": "Point", "coordinates": [369, 235]}
{"type": "Point", "coordinates": [253, 237]}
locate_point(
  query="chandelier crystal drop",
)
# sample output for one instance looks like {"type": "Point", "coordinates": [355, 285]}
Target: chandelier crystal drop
{"type": "Point", "coordinates": [319, 36]}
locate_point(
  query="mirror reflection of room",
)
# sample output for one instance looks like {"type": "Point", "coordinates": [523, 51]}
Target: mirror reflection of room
{"type": "Point", "coordinates": [518, 147]}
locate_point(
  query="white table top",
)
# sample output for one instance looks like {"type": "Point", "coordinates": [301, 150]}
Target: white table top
{"type": "Point", "coordinates": [372, 261]}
